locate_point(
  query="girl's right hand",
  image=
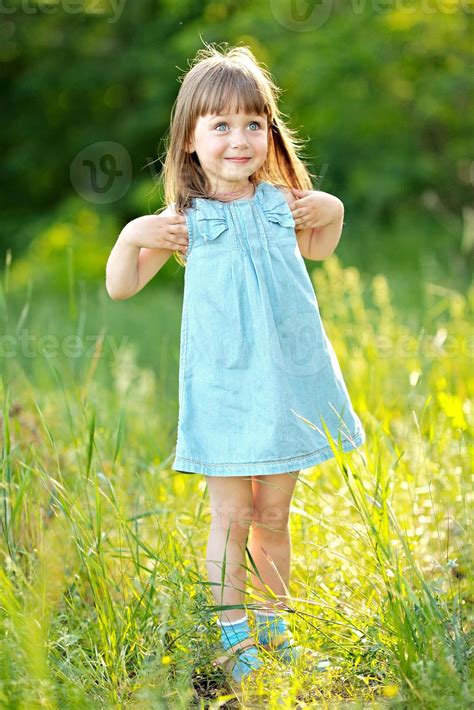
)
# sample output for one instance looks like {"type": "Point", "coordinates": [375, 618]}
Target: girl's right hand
{"type": "Point", "coordinates": [167, 230]}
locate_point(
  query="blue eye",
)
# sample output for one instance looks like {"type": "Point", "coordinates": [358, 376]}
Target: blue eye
{"type": "Point", "coordinates": [223, 123]}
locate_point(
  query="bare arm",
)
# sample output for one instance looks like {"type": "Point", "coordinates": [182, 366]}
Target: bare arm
{"type": "Point", "coordinates": [318, 243]}
{"type": "Point", "coordinates": [144, 245]}
{"type": "Point", "coordinates": [122, 269]}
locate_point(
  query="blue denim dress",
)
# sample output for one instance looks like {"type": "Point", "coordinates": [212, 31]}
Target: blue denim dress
{"type": "Point", "coordinates": [257, 373]}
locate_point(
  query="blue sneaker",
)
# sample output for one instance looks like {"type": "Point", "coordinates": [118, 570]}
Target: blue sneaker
{"type": "Point", "coordinates": [241, 652]}
{"type": "Point", "coordinates": [274, 636]}
{"type": "Point", "coordinates": [241, 659]}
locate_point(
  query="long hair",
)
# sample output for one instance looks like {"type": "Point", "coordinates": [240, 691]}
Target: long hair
{"type": "Point", "coordinates": [218, 81]}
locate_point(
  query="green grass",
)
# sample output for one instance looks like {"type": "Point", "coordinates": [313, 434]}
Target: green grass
{"type": "Point", "coordinates": [104, 599]}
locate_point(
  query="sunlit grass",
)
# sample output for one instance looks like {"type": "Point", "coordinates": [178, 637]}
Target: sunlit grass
{"type": "Point", "coordinates": [104, 596]}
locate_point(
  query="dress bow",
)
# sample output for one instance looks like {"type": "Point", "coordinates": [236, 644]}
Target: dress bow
{"type": "Point", "coordinates": [211, 218]}
{"type": "Point", "coordinates": [276, 207]}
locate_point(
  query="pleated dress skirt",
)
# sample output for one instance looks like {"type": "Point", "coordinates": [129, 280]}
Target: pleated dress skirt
{"type": "Point", "coordinates": [259, 380]}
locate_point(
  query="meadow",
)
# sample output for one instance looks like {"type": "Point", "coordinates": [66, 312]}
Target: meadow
{"type": "Point", "coordinates": [103, 594]}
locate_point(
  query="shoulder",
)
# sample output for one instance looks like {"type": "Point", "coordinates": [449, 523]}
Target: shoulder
{"type": "Point", "coordinates": [286, 192]}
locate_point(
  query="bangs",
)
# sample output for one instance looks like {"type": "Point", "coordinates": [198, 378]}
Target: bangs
{"type": "Point", "coordinates": [229, 90]}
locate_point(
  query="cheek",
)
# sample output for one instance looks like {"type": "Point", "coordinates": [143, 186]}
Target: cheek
{"type": "Point", "coordinates": [262, 146]}
{"type": "Point", "coordinates": [213, 148]}
{"type": "Point", "coordinates": [261, 143]}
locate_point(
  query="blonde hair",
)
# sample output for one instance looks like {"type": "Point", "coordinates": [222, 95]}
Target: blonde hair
{"type": "Point", "coordinates": [216, 79]}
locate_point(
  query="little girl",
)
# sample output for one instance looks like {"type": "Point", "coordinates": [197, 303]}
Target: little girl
{"type": "Point", "coordinates": [259, 381]}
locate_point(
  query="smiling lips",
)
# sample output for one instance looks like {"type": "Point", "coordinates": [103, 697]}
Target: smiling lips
{"type": "Point", "coordinates": [238, 160]}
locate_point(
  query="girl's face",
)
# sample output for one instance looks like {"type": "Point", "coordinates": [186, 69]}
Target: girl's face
{"type": "Point", "coordinates": [220, 139]}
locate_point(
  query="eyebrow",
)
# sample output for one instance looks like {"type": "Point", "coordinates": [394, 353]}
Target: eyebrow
{"type": "Point", "coordinates": [225, 115]}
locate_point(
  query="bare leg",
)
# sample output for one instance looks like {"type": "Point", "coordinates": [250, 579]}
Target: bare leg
{"type": "Point", "coordinates": [270, 532]}
{"type": "Point", "coordinates": [231, 500]}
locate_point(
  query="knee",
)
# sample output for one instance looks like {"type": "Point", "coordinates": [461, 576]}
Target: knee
{"type": "Point", "coordinates": [234, 518]}
{"type": "Point", "coordinates": [271, 518]}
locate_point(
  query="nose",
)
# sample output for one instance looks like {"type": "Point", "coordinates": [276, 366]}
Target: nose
{"type": "Point", "coordinates": [239, 139]}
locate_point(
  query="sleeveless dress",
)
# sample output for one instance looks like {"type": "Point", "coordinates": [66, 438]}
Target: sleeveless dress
{"type": "Point", "coordinates": [257, 373]}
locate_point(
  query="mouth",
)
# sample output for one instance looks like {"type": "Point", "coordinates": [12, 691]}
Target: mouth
{"type": "Point", "coordinates": [238, 160]}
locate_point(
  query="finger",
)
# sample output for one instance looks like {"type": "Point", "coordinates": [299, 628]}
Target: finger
{"type": "Point", "coordinates": [299, 205]}
{"type": "Point", "coordinates": [176, 219]}
{"type": "Point", "coordinates": [178, 229]}
{"type": "Point", "coordinates": [174, 245]}
{"type": "Point", "coordinates": [301, 222]}
{"type": "Point", "coordinates": [299, 196]}
{"type": "Point", "coordinates": [180, 239]}
{"type": "Point", "coordinates": [302, 203]}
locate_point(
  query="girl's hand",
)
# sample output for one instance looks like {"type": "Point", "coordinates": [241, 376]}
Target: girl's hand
{"type": "Point", "coordinates": [158, 231]}
{"type": "Point", "coordinates": [314, 208]}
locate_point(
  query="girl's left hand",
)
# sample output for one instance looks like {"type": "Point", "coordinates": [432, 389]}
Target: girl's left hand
{"type": "Point", "coordinates": [314, 208]}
